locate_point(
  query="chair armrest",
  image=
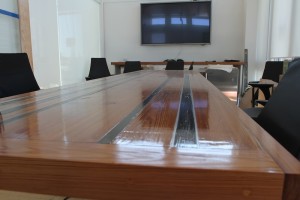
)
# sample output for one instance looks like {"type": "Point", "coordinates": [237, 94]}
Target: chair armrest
{"type": "Point", "coordinates": [264, 87]}
{"type": "Point", "coordinates": [262, 102]}
{"type": "Point", "coordinates": [261, 85]}
{"type": "Point", "coordinates": [253, 112]}
{"type": "Point", "coordinates": [253, 82]}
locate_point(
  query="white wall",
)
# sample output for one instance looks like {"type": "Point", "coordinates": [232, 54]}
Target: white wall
{"type": "Point", "coordinates": [120, 37]}
{"type": "Point", "coordinates": [9, 28]}
{"type": "Point", "coordinates": [122, 34]}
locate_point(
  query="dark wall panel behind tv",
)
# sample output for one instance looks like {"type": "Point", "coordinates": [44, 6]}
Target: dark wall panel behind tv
{"type": "Point", "coordinates": [175, 23]}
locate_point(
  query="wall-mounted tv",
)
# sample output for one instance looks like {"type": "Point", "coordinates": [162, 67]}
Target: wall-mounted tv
{"type": "Point", "coordinates": [176, 22]}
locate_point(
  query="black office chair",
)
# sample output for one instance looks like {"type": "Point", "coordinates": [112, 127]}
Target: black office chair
{"type": "Point", "coordinates": [132, 66]}
{"type": "Point", "coordinates": [98, 69]}
{"type": "Point", "coordinates": [280, 116]}
{"type": "Point", "coordinates": [16, 76]}
{"type": "Point", "coordinates": [175, 65]}
{"type": "Point", "coordinates": [191, 66]}
{"type": "Point", "coordinates": [272, 71]}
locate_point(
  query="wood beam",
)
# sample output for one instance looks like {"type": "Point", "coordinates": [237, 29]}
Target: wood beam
{"type": "Point", "coordinates": [25, 33]}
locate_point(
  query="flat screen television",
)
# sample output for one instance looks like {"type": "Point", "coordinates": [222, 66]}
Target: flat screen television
{"type": "Point", "coordinates": [176, 22]}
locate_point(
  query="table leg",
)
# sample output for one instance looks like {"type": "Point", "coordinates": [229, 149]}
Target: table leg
{"type": "Point", "coordinates": [117, 69]}
{"type": "Point", "coordinates": [240, 83]}
{"type": "Point", "coordinates": [252, 99]}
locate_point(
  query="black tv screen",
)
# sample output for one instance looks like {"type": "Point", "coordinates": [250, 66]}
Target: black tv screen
{"type": "Point", "coordinates": [174, 23]}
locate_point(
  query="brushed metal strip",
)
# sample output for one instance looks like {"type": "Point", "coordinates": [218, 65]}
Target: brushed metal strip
{"type": "Point", "coordinates": [185, 134]}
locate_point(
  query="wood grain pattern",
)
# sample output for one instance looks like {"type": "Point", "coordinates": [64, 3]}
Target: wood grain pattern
{"type": "Point", "coordinates": [97, 171]}
{"type": "Point", "coordinates": [157, 118]}
{"type": "Point", "coordinates": [25, 32]}
{"type": "Point", "coordinates": [49, 143]}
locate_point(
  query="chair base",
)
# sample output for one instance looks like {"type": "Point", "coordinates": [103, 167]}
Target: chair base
{"type": "Point", "coordinates": [253, 112]}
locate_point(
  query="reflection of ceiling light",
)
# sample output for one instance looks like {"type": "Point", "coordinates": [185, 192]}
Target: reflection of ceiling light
{"type": "Point", "coordinates": [159, 105]}
{"type": "Point", "coordinates": [190, 146]}
{"type": "Point", "coordinates": [178, 20]}
{"type": "Point", "coordinates": [158, 21]}
{"type": "Point", "coordinates": [200, 22]}
{"type": "Point", "coordinates": [215, 144]}
{"type": "Point", "coordinates": [210, 147]}
{"type": "Point", "coordinates": [201, 104]}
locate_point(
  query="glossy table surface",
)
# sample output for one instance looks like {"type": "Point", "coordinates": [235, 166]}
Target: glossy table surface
{"type": "Point", "coordinates": [141, 135]}
{"type": "Point", "coordinates": [236, 64]}
{"type": "Point", "coordinates": [205, 65]}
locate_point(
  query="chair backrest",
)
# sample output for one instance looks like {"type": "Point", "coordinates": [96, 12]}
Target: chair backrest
{"type": "Point", "coordinates": [16, 76]}
{"type": "Point", "coordinates": [280, 117]}
{"type": "Point", "coordinates": [98, 69]}
{"type": "Point", "coordinates": [175, 65]}
{"type": "Point", "coordinates": [272, 70]}
{"type": "Point", "coordinates": [131, 66]}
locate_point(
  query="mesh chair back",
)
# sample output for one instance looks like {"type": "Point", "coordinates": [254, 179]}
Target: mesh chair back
{"type": "Point", "coordinates": [272, 70]}
{"type": "Point", "coordinates": [131, 66]}
{"type": "Point", "coordinates": [280, 116]}
{"type": "Point", "coordinates": [98, 69]}
{"type": "Point", "coordinates": [16, 76]}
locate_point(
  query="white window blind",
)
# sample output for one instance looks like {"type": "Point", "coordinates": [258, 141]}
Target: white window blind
{"type": "Point", "coordinates": [285, 28]}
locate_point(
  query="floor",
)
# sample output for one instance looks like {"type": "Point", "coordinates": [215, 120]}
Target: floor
{"type": "Point", "coordinates": [226, 82]}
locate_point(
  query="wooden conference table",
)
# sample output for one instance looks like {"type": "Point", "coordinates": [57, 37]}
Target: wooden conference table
{"type": "Point", "coordinates": [239, 65]}
{"type": "Point", "coordinates": [141, 135]}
